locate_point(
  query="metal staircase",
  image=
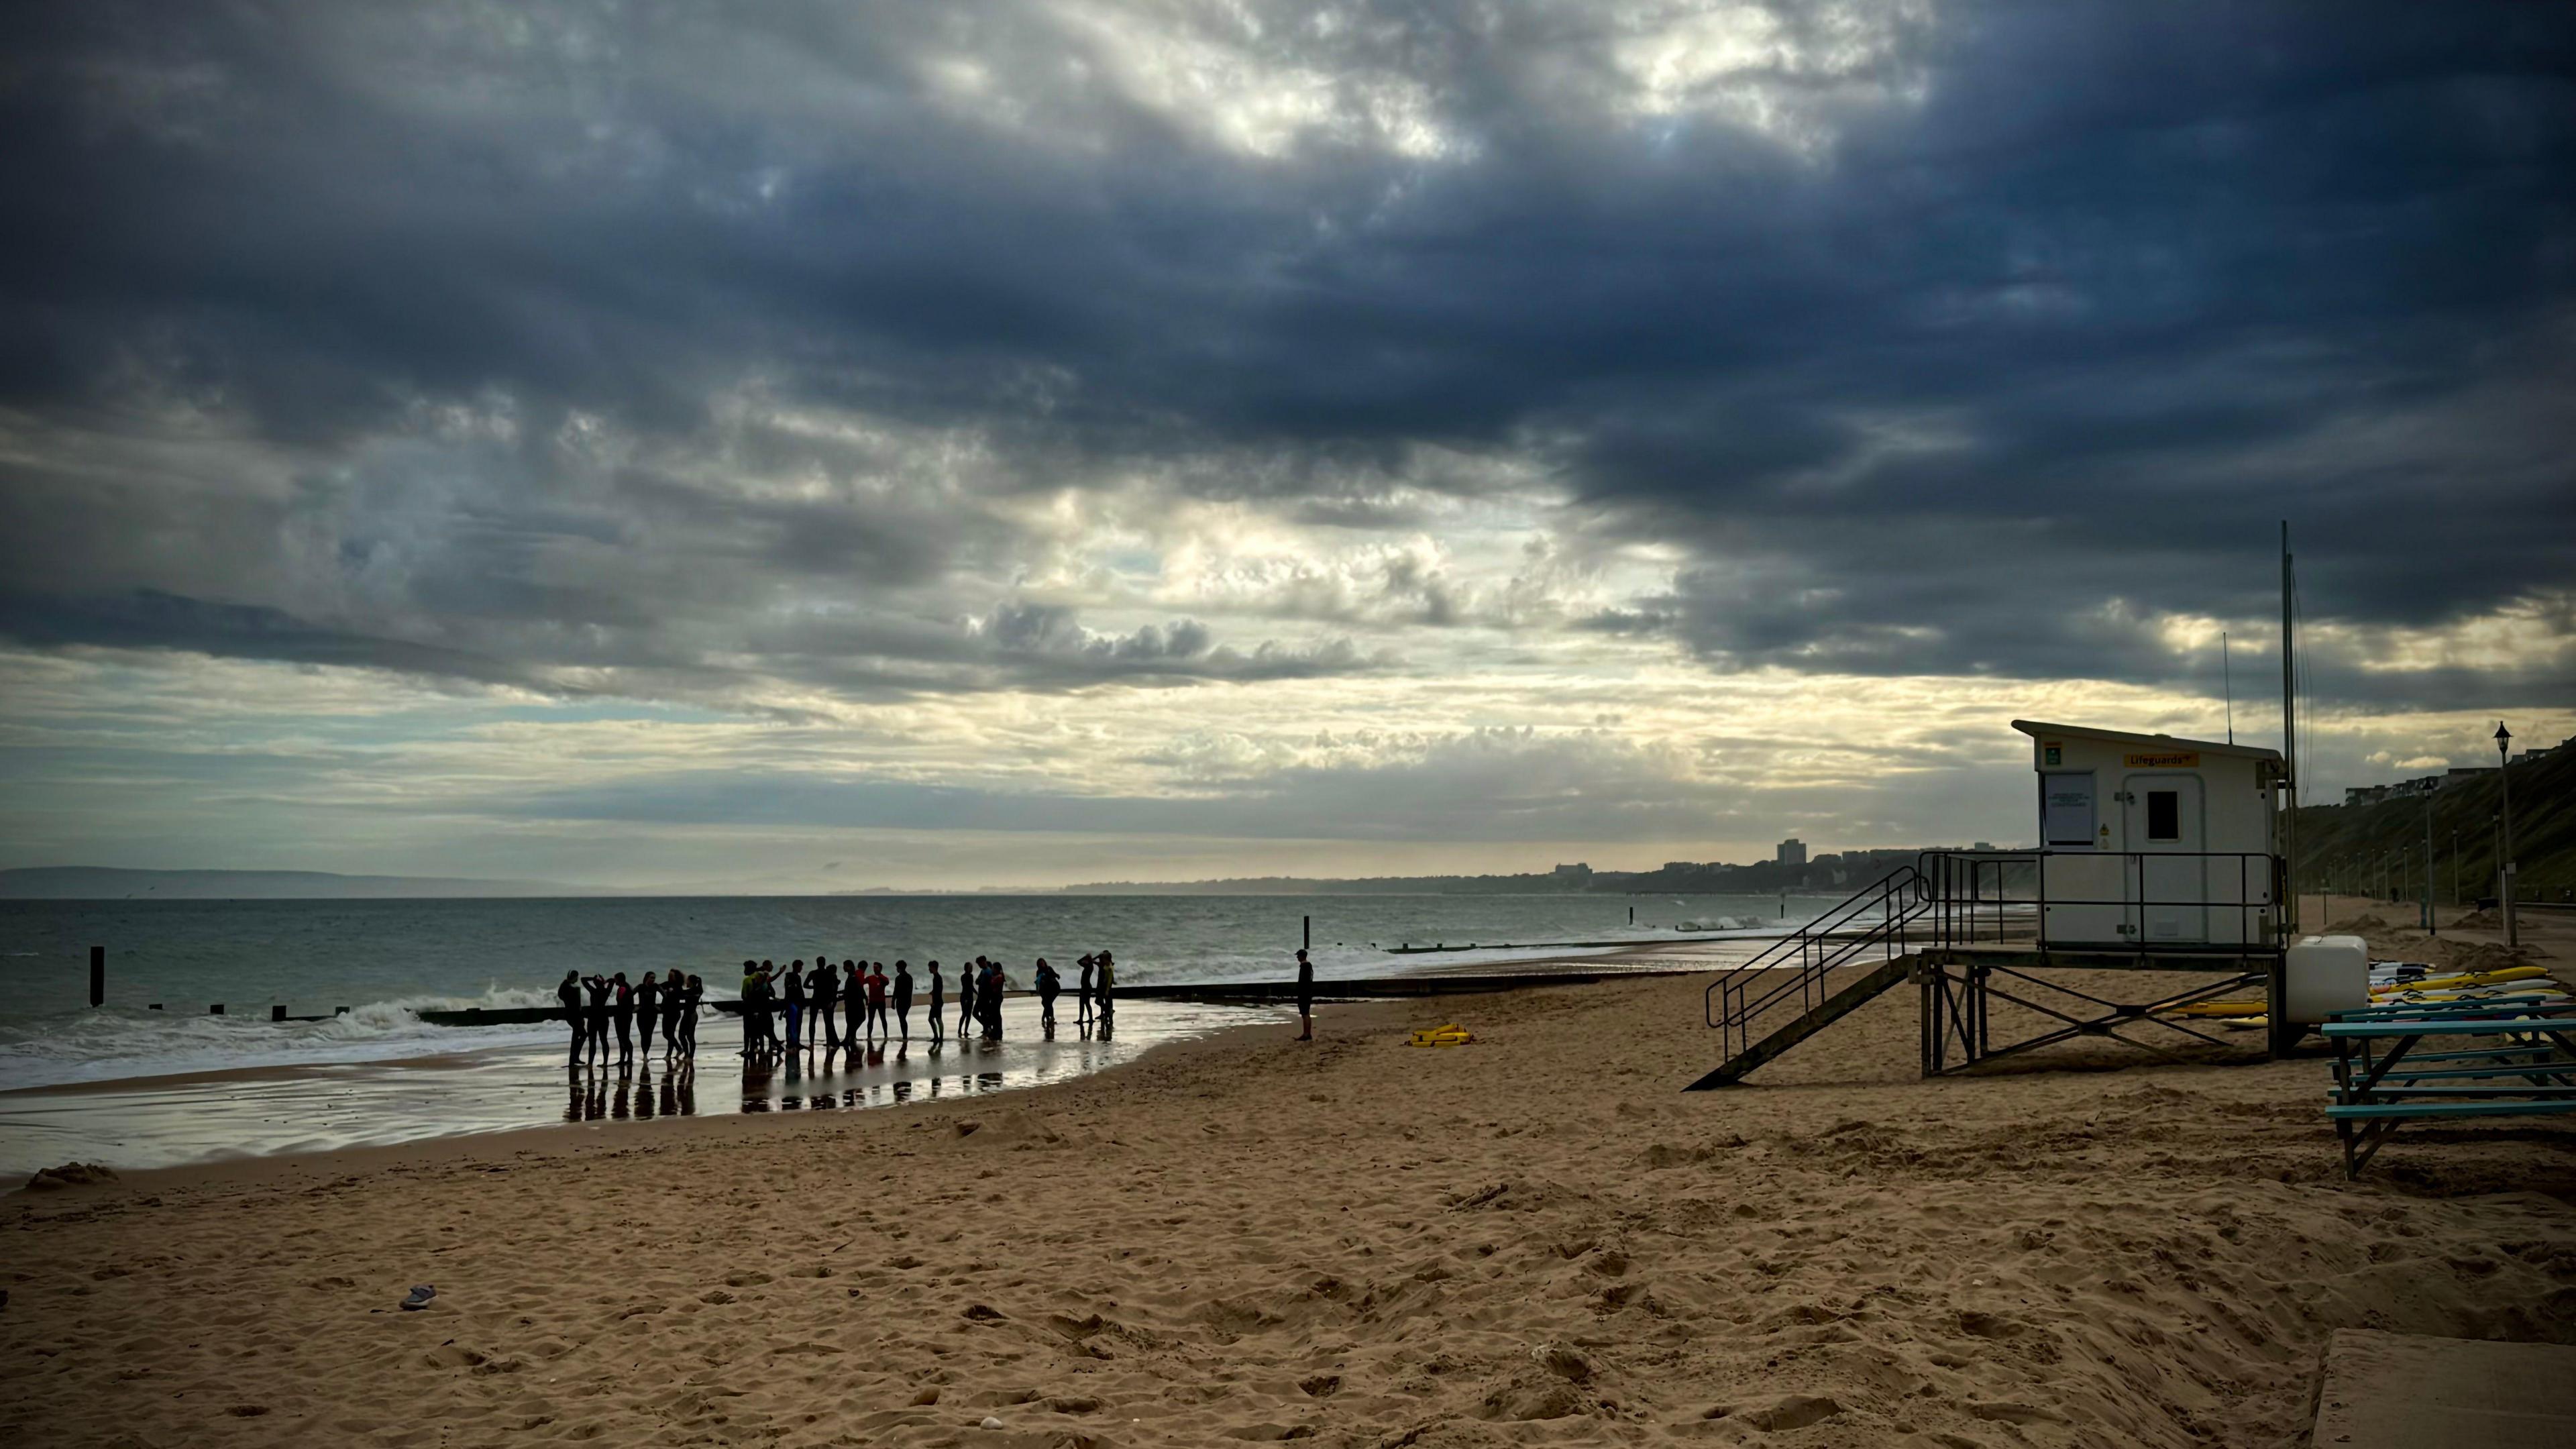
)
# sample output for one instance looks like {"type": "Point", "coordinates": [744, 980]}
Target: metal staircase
{"type": "Point", "coordinates": [1780, 998]}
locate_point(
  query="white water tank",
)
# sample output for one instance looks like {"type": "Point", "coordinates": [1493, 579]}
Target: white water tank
{"type": "Point", "coordinates": [2323, 975]}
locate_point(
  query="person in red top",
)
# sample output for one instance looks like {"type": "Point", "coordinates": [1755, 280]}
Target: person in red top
{"type": "Point", "coordinates": [877, 997]}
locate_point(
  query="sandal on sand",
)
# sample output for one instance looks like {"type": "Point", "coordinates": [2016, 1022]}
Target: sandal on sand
{"type": "Point", "coordinates": [421, 1293]}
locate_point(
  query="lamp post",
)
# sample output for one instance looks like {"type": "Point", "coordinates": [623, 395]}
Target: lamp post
{"type": "Point", "coordinates": [2426, 894]}
{"type": "Point", "coordinates": [2504, 862]}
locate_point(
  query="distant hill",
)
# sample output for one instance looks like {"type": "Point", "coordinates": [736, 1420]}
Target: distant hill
{"type": "Point", "coordinates": [100, 883]}
{"type": "Point", "coordinates": [2340, 843]}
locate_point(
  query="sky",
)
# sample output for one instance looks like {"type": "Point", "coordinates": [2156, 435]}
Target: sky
{"type": "Point", "coordinates": [826, 446]}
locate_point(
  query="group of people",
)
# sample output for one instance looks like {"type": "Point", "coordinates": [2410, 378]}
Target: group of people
{"type": "Point", "coordinates": [595, 1005]}
{"type": "Point", "coordinates": [797, 1008]}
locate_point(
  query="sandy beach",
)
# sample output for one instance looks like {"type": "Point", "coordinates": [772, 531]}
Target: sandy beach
{"type": "Point", "coordinates": [1534, 1239]}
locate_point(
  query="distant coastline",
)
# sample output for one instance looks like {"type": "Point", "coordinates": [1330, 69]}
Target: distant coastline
{"type": "Point", "coordinates": [106, 883]}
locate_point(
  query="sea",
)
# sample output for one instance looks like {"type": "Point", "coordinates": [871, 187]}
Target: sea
{"type": "Point", "coordinates": [386, 960]}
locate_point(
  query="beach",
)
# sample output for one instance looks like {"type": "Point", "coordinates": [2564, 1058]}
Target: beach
{"type": "Point", "coordinates": [1535, 1238]}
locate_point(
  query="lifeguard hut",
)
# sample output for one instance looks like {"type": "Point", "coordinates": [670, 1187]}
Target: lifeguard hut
{"type": "Point", "coordinates": [2156, 854]}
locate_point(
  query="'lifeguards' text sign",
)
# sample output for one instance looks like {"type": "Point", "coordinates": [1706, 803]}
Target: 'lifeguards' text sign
{"type": "Point", "coordinates": [2169, 760]}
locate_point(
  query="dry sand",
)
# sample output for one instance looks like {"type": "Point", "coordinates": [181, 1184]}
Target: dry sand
{"type": "Point", "coordinates": [1535, 1239]}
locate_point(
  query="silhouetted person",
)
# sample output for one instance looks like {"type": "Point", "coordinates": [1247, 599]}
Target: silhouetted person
{"type": "Point", "coordinates": [648, 1010]}
{"type": "Point", "coordinates": [822, 989]}
{"type": "Point", "coordinates": [854, 1005]}
{"type": "Point", "coordinates": [938, 999]}
{"type": "Point", "coordinates": [675, 1004]}
{"type": "Point", "coordinates": [697, 992]}
{"type": "Point", "coordinates": [1082, 993]}
{"type": "Point", "coordinates": [622, 1008]}
{"type": "Point", "coordinates": [877, 982]}
{"type": "Point", "coordinates": [569, 993]}
{"type": "Point", "coordinates": [903, 999]}
{"type": "Point", "coordinates": [1105, 985]}
{"type": "Point", "coordinates": [795, 993]}
{"type": "Point", "coordinates": [1305, 998]}
{"type": "Point", "coordinates": [965, 997]}
{"type": "Point", "coordinates": [1048, 985]}
{"type": "Point", "coordinates": [596, 1009]}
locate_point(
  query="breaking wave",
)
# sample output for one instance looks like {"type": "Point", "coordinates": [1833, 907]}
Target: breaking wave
{"type": "Point", "coordinates": [111, 1043]}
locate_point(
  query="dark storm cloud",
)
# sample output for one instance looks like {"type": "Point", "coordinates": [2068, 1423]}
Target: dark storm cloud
{"type": "Point", "coordinates": [1974, 340]}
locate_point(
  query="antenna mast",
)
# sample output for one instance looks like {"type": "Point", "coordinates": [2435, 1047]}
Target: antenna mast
{"type": "Point", "coordinates": [2289, 739]}
{"type": "Point", "coordinates": [2228, 678]}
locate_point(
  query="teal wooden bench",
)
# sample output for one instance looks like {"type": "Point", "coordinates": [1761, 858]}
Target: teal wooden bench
{"type": "Point", "coordinates": [2381, 1080]}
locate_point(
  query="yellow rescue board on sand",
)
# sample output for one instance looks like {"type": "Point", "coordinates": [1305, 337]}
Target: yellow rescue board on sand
{"type": "Point", "coordinates": [1442, 1036]}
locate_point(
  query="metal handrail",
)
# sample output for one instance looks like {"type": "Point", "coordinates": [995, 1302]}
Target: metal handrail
{"type": "Point", "coordinates": [1959, 904]}
{"type": "Point", "coordinates": [1819, 948]}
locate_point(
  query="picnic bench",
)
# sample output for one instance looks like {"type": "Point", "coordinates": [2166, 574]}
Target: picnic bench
{"type": "Point", "coordinates": [2383, 1078]}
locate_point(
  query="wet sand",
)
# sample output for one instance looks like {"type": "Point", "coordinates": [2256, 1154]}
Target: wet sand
{"type": "Point", "coordinates": [207, 1116]}
{"type": "Point", "coordinates": [1535, 1239]}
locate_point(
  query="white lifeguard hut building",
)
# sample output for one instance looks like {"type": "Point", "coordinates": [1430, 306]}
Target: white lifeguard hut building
{"type": "Point", "coordinates": [2156, 855]}
{"type": "Point", "coordinates": [2154, 842]}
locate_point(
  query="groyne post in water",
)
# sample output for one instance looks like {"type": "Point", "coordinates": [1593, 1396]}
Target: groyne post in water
{"type": "Point", "coordinates": [98, 975]}
{"type": "Point", "coordinates": [1308, 942]}
{"type": "Point", "coordinates": [277, 1013]}
{"type": "Point", "coordinates": [215, 1010]}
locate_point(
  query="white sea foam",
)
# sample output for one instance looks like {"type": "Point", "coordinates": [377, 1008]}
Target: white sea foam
{"type": "Point", "coordinates": [113, 1043]}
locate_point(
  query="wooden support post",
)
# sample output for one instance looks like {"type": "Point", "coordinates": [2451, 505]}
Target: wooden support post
{"type": "Point", "coordinates": [215, 1010]}
{"type": "Point", "coordinates": [1309, 941]}
{"type": "Point", "coordinates": [277, 1013]}
{"type": "Point", "coordinates": [97, 975]}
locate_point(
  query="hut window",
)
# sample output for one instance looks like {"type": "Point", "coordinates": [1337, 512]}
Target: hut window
{"type": "Point", "coordinates": [2164, 815]}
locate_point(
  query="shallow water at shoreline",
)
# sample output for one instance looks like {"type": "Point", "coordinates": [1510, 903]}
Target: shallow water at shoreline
{"type": "Point", "coordinates": [204, 1117]}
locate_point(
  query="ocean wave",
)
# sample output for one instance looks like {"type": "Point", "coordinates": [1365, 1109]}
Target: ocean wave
{"type": "Point", "coordinates": [112, 1043]}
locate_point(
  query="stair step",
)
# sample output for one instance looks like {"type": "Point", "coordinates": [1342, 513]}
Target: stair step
{"type": "Point", "coordinates": [1832, 1009]}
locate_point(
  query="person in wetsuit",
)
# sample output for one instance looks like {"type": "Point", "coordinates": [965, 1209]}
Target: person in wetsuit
{"type": "Point", "coordinates": [854, 1003]}
{"type": "Point", "coordinates": [622, 1007]}
{"type": "Point", "coordinates": [675, 999]}
{"type": "Point", "coordinates": [755, 1008]}
{"type": "Point", "coordinates": [569, 993]}
{"type": "Point", "coordinates": [697, 991]}
{"type": "Point", "coordinates": [965, 997]}
{"type": "Point", "coordinates": [1305, 998]}
{"type": "Point", "coordinates": [795, 985]}
{"type": "Point", "coordinates": [1104, 982]}
{"type": "Point", "coordinates": [1048, 985]}
{"type": "Point", "coordinates": [595, 1010]}
{"type": "Point", "coordinates": [988, 993]}
{"type": "Point", "coordinates": [938, 999]}
{"type": "Point", "coordinates": [1082, 993]}
{"type": "Point", "coordinates": [903, 998]}
{"type": "Point", "coordinates": [648, 1009]}
{"type": "Point", "coordinates": [822, 989]}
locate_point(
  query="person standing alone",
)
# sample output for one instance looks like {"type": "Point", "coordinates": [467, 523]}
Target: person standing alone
{"type": "Point", "coordinates": [1305, 998]}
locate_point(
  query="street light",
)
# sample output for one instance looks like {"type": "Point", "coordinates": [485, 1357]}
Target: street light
{"type": "Point", "coordinates": [2504, 862]}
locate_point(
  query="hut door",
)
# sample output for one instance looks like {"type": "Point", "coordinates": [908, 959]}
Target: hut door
{"type": "Point", "coordinates": [2161, 813]}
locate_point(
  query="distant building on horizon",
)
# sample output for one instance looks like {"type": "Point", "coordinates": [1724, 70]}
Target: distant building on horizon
{"type": "Point", "coordinates": [1793, 852]}
{"type": "Point", "coordinates": [1580, 870]}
